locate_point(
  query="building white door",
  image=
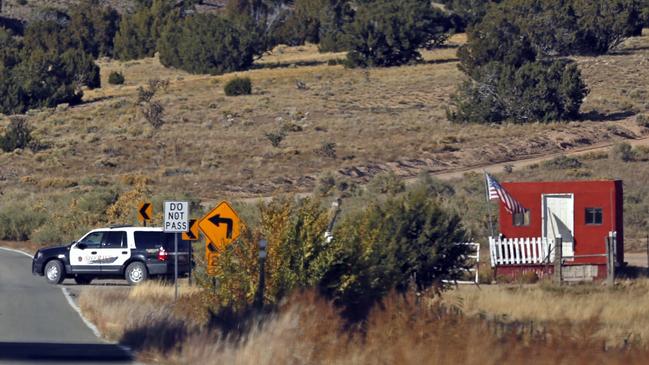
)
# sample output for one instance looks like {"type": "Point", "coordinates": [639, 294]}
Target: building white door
{"type": "Point", "coordinates": [559, 220]}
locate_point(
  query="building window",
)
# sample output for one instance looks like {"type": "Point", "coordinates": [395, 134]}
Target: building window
{"type": "Point", "coordinates": [593, 215]}
{"type": "Point", "coordinates": [522, 219]}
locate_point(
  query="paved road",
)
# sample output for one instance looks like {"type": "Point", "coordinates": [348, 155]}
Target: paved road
{"type": "Point", "coordinates": [38, 325]}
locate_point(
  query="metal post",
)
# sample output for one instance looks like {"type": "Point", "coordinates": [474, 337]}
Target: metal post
{"type": "Point", "coordinates": [491, 226]}
{"type": "Point", "coordinates": [558, 258]}
{"type": "Point", "coordinates": [262, 273]}
{"type": "Point", "coordinates": [609, 261]}
{"type": "Point", "coordinates": [176, 265]}
{"type": "Point", "coordinates": [191, 259]}
{"type": "Point", "coordinates": [648, 253]}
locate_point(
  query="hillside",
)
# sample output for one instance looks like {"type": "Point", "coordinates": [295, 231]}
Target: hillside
{"type": "Point", "coordinates": [379, 119]}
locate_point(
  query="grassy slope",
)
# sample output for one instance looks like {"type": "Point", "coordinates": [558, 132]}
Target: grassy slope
{"type": "Point", "coordinates": [213, 146]}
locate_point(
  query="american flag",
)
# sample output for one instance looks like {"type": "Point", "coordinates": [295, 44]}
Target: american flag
{"type": "Point", "coordinates": [495, 191]}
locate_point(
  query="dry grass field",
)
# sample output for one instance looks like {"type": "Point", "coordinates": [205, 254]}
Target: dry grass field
{"type": "Point", "coordinates": [213, 146]}
{"type": "Point", "coordinates": [496, 325]}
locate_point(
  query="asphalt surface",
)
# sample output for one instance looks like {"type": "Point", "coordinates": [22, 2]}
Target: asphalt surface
{"type": "Point", "coordinates": [38, 324]}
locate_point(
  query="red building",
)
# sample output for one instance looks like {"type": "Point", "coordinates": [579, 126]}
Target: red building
{"type": "Point", "coordinates": [582, 213]}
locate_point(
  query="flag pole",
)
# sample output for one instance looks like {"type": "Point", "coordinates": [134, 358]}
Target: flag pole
{"type": "Point", "coordinates": [486, 185]}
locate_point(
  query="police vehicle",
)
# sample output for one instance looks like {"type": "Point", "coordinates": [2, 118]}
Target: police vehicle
{"type": "Point", "coordinates": [133, 253]}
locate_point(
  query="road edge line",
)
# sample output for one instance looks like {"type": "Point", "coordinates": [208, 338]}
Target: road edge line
{"type": "Point", "coordinates": [89, 324]}
{"type": "Point", "coordinates": [16, 251]}
{"type": "Point", "coordinates": [76, 308]}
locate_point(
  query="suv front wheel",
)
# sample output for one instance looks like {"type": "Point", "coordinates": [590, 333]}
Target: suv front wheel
{"type": "Point", "coordinates": [54, 272]}
{"type": "Point", "coordinates": [135, 273]}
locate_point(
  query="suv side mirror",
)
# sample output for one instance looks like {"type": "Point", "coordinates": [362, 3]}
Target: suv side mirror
{"type": "Point", "coordinates": [82, 246]}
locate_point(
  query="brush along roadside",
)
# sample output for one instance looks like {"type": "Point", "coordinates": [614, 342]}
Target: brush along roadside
{"type": "Point", "coordinates": [404, 329]}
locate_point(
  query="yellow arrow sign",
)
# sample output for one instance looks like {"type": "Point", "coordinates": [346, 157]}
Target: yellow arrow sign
{"type": "Point", "coordinates": [192, 234]}
{"type": "Point", "coordinates": [144, 212]}
{"type": "Point", "coordinates": [221, 226]}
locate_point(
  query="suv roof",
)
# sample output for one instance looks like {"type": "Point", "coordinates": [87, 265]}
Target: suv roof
{"type": "Point", "coordinates": [129, 229]}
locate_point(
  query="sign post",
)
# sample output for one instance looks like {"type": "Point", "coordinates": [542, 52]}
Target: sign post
{"type": "Point", "coordinates": [176, 220]}
{"type": "Point", "coordinates": [191, 235]}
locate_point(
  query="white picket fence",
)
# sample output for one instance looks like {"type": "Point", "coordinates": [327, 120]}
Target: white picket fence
{"type": "Point", "coordinates": [518, 251]}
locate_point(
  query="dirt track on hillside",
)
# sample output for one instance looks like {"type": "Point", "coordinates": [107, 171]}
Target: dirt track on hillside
{"type": "Point", "coordinates": [518, 164]}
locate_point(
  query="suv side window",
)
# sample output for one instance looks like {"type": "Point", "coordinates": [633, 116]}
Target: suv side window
{"type": "Point", "coordinates": [93, 240]}
{"type": "Point", "coordinates": [148, 240]}
{"type": "Point", "coordinates": [115, 239]}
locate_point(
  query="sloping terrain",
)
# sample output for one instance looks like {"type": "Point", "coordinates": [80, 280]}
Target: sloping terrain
{"type": "Point", "coordinates": [355, 122]}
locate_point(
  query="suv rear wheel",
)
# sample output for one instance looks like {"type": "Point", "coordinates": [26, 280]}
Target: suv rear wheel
{"type": "Point", "coordinates": [54, 272]}
{"type": "Point", "coordinates": [135, 273]}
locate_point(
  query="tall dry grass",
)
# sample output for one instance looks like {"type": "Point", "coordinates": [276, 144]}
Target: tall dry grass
{"type": "Point", "coordinates": [307, 329]}
{"type": "Point", "coordinates": [620, 314]}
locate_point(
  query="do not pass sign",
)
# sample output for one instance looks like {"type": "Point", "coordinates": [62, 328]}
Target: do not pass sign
{"type": "Point", "coordinates": [176, 218]}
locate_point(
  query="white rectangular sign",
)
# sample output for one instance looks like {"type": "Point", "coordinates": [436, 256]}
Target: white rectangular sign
{"type": "Point", "coordinates": [176, 217]}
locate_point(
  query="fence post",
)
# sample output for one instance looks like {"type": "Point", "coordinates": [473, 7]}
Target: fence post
{"type": "Point", "coordinates": [558, 256]}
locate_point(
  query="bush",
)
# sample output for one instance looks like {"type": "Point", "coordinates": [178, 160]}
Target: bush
{"type": "Point", "coordinates": [17, 135]}
{"type": "Point", "coordinates": [642, 121]}
{"type": "Point", "coordinates": [275, 138]}
{"type": "Point", "coordinates": [238, 86]}
{"type": "Point", "coordinates": [93, 26]}
{"type": "Point", "coordinates": [622, 152]}
{"type": "Point", "coordinates": [116, 78]}
{"type": "Point", "coordinates": [563, 163]}
{"type": "Point", "coordinates": [18, 220]}
{"type": "Point", "coordinates": [404, 242]}
{"type": "Point", "coordinates": [390, 33]}
{"type": "Point", "coordinates": [139, 32]}
{"type": "Point", "coordinates": [42, 72]}
{"type": "Point", "coordinates": [208, 44]}
{"type": "Point", "coordinates": [386, 183]}
{"type": "Point", "coordinates": [537, 91]}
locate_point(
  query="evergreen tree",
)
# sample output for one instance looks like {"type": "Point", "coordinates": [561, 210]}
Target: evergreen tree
{"type": "Point", "coordinates": [207, 44]}
{"type": "Point", "coordinates": [389, 33]}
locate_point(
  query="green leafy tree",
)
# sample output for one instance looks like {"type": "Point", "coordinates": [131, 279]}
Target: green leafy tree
{"type": "Point", "coordinates": [389, 33]}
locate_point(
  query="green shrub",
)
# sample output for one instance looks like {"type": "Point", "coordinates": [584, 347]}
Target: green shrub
{"type": "Point", "coordinates": [93, 26]}
{"type": "Point", "coordinates": [17, 135]}
{"type": "Point", "coordinates": [537, 91]}
{"type": "Point", "coordinates": [563, 162]}
{"type": "Point", "coordinates": [403, 242]}
{"type": "Point", "coordinates": [390, 33]}
{"type": "Point", "coordinates": [116, 78]}
{"type": "Point", "coordinates": [642, 121]}
{"type": "Point", "coordinates": [386, 183]}
{"type": "Point", "coordinates": [139, 32]}
{"type": "Point", "coordinates": [622, 152]}
{"type": "Point", "coordinates": [275, 138]}
{"type": "Point", "coordinates": [208, 44]}
{"type": "Point", "coordinates": [18, 221]}
{"type": "Point", "coordinates": [42, 71]}
{"type": "Point", "coordinates": [238, 86]}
